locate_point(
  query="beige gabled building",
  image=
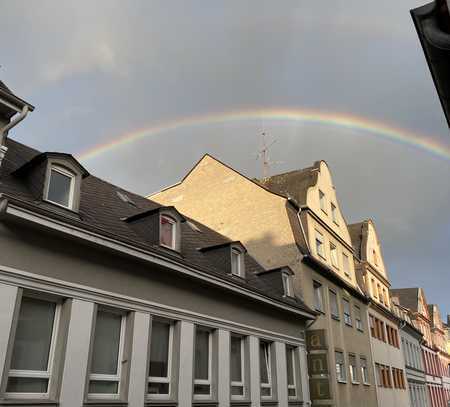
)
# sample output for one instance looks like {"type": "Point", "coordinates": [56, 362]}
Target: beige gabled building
{"type": "Point", "coordinates": [294, 220]}
{"type": "Point", "coordinates": [384, 324]}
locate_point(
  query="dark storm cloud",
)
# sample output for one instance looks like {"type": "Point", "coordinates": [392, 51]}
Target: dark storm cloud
{"type": "Point", "coordinates": [96, 70]}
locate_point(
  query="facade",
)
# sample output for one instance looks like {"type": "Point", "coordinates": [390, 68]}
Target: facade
{"type": "Point", "coordinates": [384, 323]}
{"type": "Point", "coordinates": [107, 298]}
{"type": "Point", "coordinates": [423, 317]}
{"type": "Point", "coordinates": [295, 219]}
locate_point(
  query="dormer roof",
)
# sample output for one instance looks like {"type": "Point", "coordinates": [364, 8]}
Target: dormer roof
{"type": "Point", "coordinates": [167, 209]}
{"type": "Point", "coordinates": [235, 243]}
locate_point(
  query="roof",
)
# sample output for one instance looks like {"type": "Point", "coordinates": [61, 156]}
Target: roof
{"type": "Point", "coordinates": [13, 102]}
{"type": "Point", "coordinates": [293, 184]}
{"type": "Point", "coordinates": [103, 211]}
{"type": "Point", "coordinates": [408, 297]}
{"type": "Point", "coordinates": [432, 22]}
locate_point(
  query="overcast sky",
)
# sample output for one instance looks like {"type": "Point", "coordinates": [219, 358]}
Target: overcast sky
{"type": "Point", "coordinates": [97, 70]}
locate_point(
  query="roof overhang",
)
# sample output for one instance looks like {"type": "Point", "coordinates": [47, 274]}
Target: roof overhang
{"type": "Point", "coordinates": [432, 23]}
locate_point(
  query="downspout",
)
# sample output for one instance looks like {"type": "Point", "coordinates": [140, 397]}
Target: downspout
{"type": "Point", "coordinates": [300, 208]}
{"type": "Point", "coordinates": [4, 131]}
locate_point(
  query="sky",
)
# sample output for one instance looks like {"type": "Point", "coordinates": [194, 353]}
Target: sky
{"type": "Point", "coordinates": [98, 71]}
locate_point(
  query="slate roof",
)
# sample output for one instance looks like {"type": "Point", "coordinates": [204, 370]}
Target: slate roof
{"type": "Point", "coordinates": [293, 184]}
{"type": "Point", "coordinates": [408, 297]}
{"type": "Point", "coordinates": [103, 211]}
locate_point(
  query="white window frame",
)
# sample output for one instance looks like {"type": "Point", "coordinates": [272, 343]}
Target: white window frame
{"type": "Point", "coordinates": [358, 317]}
{"type": "Point", "coordinates": [333, 294]}
{"type": "Point", "coordinates": [239, 271]}
{"type": "Point", "coordinates": [334, 258]}
{"type": "Point", "coordinates": [242, 382]}
{"type": "Point", "coordinates": [322, 202]}
{"type": "Point", "coordinates": [347, 316]}
{"type": "Point", "coordinates": [174, 224]}
{"type": "Point", "coordinates": [320, 239]}
{"type": "Point", "coordinates": [318, 286]}
{"type": "Point", "coordinates": [334, 213]}
{"type": "Point", "coordinates": [269, 384]}
{"type": "Point", "coordinates": [118, 375]}
{"type": "Point", "coordinates": [67, 173]}
{"type": "Point", "coordinates": [342, 376]}
{"type": "Point", "coordinates": [287, 284]}
{"type": "Point", "coordinates": [353, 369]}
{"type": "Point", "coordinates": [364, 370]}
{"type": "Point", "coordinates": [347, 270]}
{"type": "Point", "coordinates": [51, 357]}
{"type": "Point", "coordinates": [209, 380]}
{"type": "Point", "coordinates": [293, 351]}
{"type": "Point", "coordinates": [168, 378]}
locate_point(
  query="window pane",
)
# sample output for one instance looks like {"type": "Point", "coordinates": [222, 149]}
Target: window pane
{"type": "Point", "coordinates": [236, 359]}
{"type": "Point", "coordinates": [202, 355]}
{"type": "Point", "coordinates": [333, 304]}
{"type": "Point", "coordinates": [202, 389]}
{"type": "Point", "coordinates": [237, 390]}
{"type": "Point", "coordinates": [26, 385]}
{"type": "Point", "coordinates": [292, 392]}
{"type": "Point", "coordinates": [159, 352]}
{"type": "Point", "coordinates": [59, 188]}
{"type": "Point", "coordinates": [167, 231]}
{"type": "Point", "coordinates": [235, 258]}
{"type": "Point", "coordinates": [264, 362]}
{"type": "Point", "coordinates": [103, 387]}
{"type": "Point", "coordinates": [158, 388]}
{"type": "Point", "coordinates": [318, 296]}
{"type": "Point", "coordinates": [290, 365]}
{"type": "Point", "coordinates": [105, 352]}
{"type": "Point", "coordinates": [33, 335]}
{"type": "Point", "coordinates": [266, 391]}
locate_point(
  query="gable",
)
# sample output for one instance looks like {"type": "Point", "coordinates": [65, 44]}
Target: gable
{"type": "Point", "coordinates": [373, 254]}
{"type": "Point", "coordinates": [323, 208]}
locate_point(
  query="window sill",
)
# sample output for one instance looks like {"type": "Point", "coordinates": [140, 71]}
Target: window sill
{"type": "Point", "coordinates": [28, 402]}
{"type": "Point", "coordinates": [335, 317]}
{"type": "Point", "coordinates": [356, 383]}
{"type": "Point", "coordinates": [342, 381]}
{"type": "Point", "coordinates": [349, 325]}
{"type": "Point", "coordinates": [360, 330]}
{"type": "Point", "coordinates": [161, 402]}
{"type": "Point", "coordinates": [366, 384]}
{"type": "Point", "coordinates": [105, 402]}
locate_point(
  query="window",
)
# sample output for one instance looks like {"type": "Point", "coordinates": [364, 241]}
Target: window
{"type": "Point", "coordinates": [379, 374]}
{"type": "Point", "coordinates": [265, 369]}
{"type": "Point", "coordinates": [319, 245]}
{"type": "Point", "coordinates": [334, 307]}
{"type": "Point", "coordinates": [334, 256]}
{"type": "Point", "coordinates": [346, 264]}
{"type": "Point", "coordinates": [318, 301]}
{"type": "Point", "coordinates": [160, 358]}
{"type": "Point", "coordinates": [375, 257]}
{"type": "Point", "coordinates": [203, 363]}
{"type": "Point", "coordinates": [60, 188]}
{"type": "Point", "coordinates": [107, 349]}
{"type": "Point", "coordinates": [334, 215]}
{"type": "Point", "coordinates": [237, 262]}
{"type": "Point", "coordinates": [287, 285]}
{"type": "Point", "coordinates": [374, 289]}
{"type": "Point", "coordinates": [364, 370]}
{"type": "Point", "coordinates": [352, 368]}
{"type": "Point", "coordinates": [323, 204]}
{"type": "Point", "coordinates": [347, 315]}
{"type": "Point", "coordinates": [340, 367]}
{"type": "Point", "coordinates": [380, 293]}
{"type": "Point", "coordinates": [33, 350]}
{"type": "Point", "coordinates": [373, 329]}
{"type": "Point", "coordinates": [358, 318]}
{"type": "Point", "coordinates": [167, 233]}
{"type": "Point", "coordinates": [237, 365]}
{"type": "Point", "coordinates": [291, 373]}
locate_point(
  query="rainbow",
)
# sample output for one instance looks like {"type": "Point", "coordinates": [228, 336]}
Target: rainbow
{"type": "Point", "coordinates": [282, 115]}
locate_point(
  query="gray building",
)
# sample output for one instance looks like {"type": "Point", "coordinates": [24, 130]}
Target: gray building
{"type": "Point", "coordinates": [107, 298]}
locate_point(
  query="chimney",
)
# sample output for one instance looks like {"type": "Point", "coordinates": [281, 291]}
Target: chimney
{"type": "Point", "coordinates": [12, 111]}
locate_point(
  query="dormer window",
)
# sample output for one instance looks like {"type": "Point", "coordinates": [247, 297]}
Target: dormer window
{"type": "Point", "coordinates": [61, 186]}
{"type": "Point", "coordinates": [288, 285]}
{"type": "Point", "coordinates": [237, 262]}
{"type": "Point", "coordinates": [167, 232]}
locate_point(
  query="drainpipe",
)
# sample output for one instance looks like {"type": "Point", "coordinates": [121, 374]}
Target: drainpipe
{"type": "Point", "coordinates": [4, 131]}
{"type": "Point", "coordinates": [301, 226]}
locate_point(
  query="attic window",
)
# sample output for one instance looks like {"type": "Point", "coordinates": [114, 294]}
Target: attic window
{"type": "Point", "coordinates": [237, 262]}
{"type": "Point", "coordinates": [61, 185]}
{"type": "Point", "coordinates": [322, 202]}
{"type": "Point", "coordinates": [287, 285]}
{"type": "Point", "coordinates": [167, 232]}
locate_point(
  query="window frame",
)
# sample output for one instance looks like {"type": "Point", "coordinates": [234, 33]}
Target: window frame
{"type": "Point", "coordinates": [66, 172]}
{"type": "Point", "coordinates": [242, 383]}
{"type": "Point", "coordinates": [48, 374]}
{"type": "Point", "coordinates": [346, 265]}
{"type": "Point", "coordinates": [172, 221]}
{"type": "Point", "coordinates": [322, 202]}
{"type": "Point", "coordinates": [333, 294]}
{"type": "Point", "coordinates": [288, 286]}
{"type": "Point", "coordinates": [358, 317]}
{"type": "Point", "coordinates": [341, 377]}
{"type": "Point", "coordinates": [353, 369]}
{"type": "Point", "coordinates": [334, 213]}
{"type": "Point", "coordinates": [364, 370]}
{"type": "Point", "coordinates": [268, 359]}
{"type": "Point", "coordinates": [320, 239]}
{"type": "Point", "coordinates": [210, 366]}
{"type": "Point", "coordinates": [293, 350]}
{"type": "Point", "coordinates": [109, 378]}
{"type": "Point", "coordinates": [334, 258]}
{"type": "Point", "coordinates": [317, 287]}
{"type": "Point", "coordinates": [240, 271]}
{"type": "Point", "coordinates": [347, 316]}
{"type": "Point", "coordinates": [162, 380]}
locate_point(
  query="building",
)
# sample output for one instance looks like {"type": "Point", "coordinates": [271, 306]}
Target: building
{"type": "Point", "coordinates": [422, 317]}
{"type": "Point", "coordinates": [432, 23]}
{"type": "Point", "coordinates": [384, 323]}
{"type": "Point", "coordinates": [107, 298]}
{"type": "Point", "coordinates": [295, 219]}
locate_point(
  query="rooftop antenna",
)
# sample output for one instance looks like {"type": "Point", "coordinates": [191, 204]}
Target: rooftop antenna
{"type": "Point", "coordinates": [263, 155]}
